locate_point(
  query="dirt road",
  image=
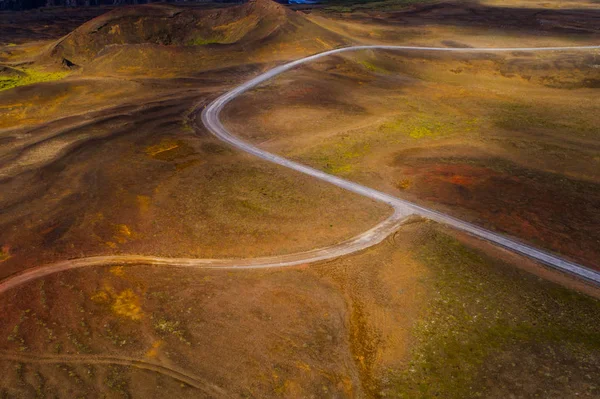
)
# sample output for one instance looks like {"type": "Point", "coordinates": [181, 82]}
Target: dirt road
{"type": "Point", "coordinates": [210, 118]}
{"type": "Point", "coordinates": [402, 209]}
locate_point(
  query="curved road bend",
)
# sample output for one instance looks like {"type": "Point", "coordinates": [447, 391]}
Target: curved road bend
{"type": "Point", "coordinates": [364, 240]}
{"type": "Point", "coordinates": [210, 118]}
{"type": "Point", "coordinates": [402, 208]}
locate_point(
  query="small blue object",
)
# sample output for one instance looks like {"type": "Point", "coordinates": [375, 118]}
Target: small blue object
{"type": "Point", "coordinates": [303, 1]}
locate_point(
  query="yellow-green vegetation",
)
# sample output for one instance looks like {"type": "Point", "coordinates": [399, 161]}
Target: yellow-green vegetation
{"type": "Point", "coordinates": [116, 380]}
{"type": "Point", "coordinates": [203, 41]}
{"type": "Point", "coordinates": [342, 155]}
{"type": "Point", "coordinates": [348, 6]}
{"type": "Point", "coordinates": [517, 116]}
{"type": "Point", "coordinates": [29, 76]}
{"type": "Point", "coordinates": [403, 184]}
{"type": "Point", "coordinates": [343, 152]}
{"type": "Point", "coordinates": [483, 317]}
{"type": "Point", "coordinates": [164, 327]}
{"type": "Point", "coordinates": [4, 253]}
{"type": "Point", "coordinates": [169, 150]}
{"type": "Point", "coordinates": [127, 304]}
{"type": "Point", "coordinates": [423, 125]}
{"type": "Point", "coordinates": [371, 67]}
{"type": "Point", "coordinates": [15, 336]}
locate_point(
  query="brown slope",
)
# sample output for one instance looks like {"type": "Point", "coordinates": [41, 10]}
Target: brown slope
{"type": "Point", "coordinates": [158, 25]}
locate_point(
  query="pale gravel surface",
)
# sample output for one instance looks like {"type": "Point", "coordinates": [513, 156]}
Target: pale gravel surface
{"type": "Point", "coordinates": [210, 118]}
{"type": "Point", "coordinates": [402, 208]}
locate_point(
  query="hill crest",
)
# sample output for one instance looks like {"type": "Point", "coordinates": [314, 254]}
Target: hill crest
{"type": "Point", "coordinates": [170, 25]}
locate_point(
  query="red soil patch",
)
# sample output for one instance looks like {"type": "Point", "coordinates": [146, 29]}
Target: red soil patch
{"type": "Point", "coordinates": [463, 175]}
{"type": "Point", "coordinates": [562, 217]}
{"type": "Point", "coordinates": [462, 180]}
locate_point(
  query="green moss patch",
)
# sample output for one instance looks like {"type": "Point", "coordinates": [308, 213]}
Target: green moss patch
{"type": "Point", "coordinates": [342, 156]}
{"type": "Point", "coordinates": [348, 6]}
{"type": "Point", "coordinates": [423, 125]}
{"type": "Point", "coordinates": [203, 41]}
{"type": "Point", "coordinates": [518, 116]}
{"type": "Point", "coordinates": [4, 254]}
{"type": "Point", "coordinates": [482, 317]}
{"type": "Point", "coordinates": [29, 76]}
{"type": "Point", "coordinates": [372, 67]}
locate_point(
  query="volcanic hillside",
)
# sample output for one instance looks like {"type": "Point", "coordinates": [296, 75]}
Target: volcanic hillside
{"type": "Point", "coordinates": [244, 27]}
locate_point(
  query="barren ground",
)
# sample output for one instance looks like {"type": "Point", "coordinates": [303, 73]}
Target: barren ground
{"type": "Point", "coordinates": [101, 158]}
{"type": "Point", "coordinates": [508, 142]}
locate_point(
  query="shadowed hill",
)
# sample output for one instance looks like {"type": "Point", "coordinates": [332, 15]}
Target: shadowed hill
{"type": "Point", "coordinates": [253, 23]}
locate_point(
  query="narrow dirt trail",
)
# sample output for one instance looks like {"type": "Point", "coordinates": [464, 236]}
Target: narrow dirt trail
{"type": "Point", "coordinates": [401, 208]}
{"type": "Point", "coordinates": [367, 239]}
{"type": "Point", "coordinates": [177, 374]}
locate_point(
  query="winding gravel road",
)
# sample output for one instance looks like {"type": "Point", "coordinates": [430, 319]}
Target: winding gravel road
{"type": "Point", "coordinates": [402, 208]}
{"type": "Point", "coordinates": [210, 118]}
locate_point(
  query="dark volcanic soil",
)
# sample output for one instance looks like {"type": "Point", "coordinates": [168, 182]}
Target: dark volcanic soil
{"type": "Point", "coordinates": [517, 18]}
{"type": "Point", "coordinates": [44, 23]}
{"type": "Point", "coordinates": [525, 203]}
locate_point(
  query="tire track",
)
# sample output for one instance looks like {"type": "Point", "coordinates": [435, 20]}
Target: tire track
{"type": "Point", "coordinates": [367, 239]}
{"type": "Point", "coordinates": [179, 375]}
{"type": "Point", "coordinates": [402, 209]}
